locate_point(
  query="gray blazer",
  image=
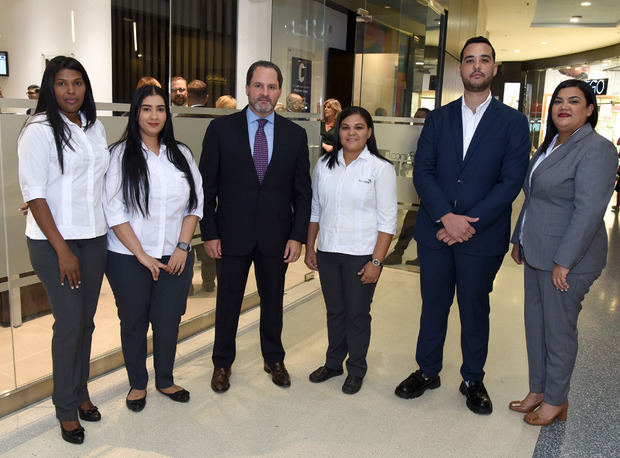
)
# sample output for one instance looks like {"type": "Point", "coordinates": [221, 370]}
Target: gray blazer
{"type": "Point", "coordinates": [565, 204]}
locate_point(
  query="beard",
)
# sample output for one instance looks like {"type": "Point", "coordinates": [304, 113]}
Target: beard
{"type": "Point", "coordinates": [179, 100]}
{"type": "Point", "coordinates": [262, 108]}
{"type": "Point", "coordinates": [480, 86]}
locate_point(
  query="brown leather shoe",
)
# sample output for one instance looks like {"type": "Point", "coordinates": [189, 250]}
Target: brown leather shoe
{"type": "Point", "coordinates": [279, 374]}
{"type": "Point", "coordinates": [219, 381]}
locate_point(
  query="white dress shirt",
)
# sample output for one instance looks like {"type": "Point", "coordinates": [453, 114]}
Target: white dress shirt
{"type": "Point", "coordinates": [73, 196]}
{"type": "Point", "coordinates": [353, 203]}
{"type": "Point", "coordinates": [168, 202]}
{"type": "Point", "coordinates": [471, 120]}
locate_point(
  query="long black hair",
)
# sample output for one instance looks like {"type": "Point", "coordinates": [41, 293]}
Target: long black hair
{"type": "Point", "coordinates": [135, 172]}
{"type": "Point", "coordinates": [47, 102]}
{"type": "Point", "coordinates": [590, 98]}
{"type": "Point", "coordinates": [371, 143]}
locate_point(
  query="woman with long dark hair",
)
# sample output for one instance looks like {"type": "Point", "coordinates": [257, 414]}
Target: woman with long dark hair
{"type": "Point", "coordinates": [153, 200]}
{"type": "Point", "coordinates": [63, 158]}
{"type": "Point", "coordinates": [354, 206]}
{"type": "Point", "coordinates": [560, 239]}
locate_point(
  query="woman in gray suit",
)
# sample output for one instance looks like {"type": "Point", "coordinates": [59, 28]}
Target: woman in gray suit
{"type": "Point", "coordinates": [560, 239]}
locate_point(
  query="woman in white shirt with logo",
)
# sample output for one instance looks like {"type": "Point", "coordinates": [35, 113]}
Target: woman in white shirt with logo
{"type": "Point", "coordinates": [153, 200]}
{"type": "Point", "coordinates": [354, 206]}
{"type": "Point", "coordinates": [63, 157]}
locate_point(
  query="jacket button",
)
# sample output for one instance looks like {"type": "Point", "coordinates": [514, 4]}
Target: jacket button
{"type": "Point", "coordinates": [459, 181]}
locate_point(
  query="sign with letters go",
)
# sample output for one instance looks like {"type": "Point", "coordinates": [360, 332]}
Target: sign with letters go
{"type": "Point", "coordinates": [599, 86]}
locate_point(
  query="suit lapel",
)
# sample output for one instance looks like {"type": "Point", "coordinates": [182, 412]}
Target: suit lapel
{"type": "Point", "coordinates": [277, 146]}
{"type": "Point", "coordinates": [245, 151]}
{"type": "Point", "coordinates": [456, 120]}
{"type": "Point", "coordinates": [485, 126]}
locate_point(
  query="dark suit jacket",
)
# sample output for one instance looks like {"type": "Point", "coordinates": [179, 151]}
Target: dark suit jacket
{"type": "Point", "coordinates": [483, 185]}
{"type": "Point", "coordinates": [238, 209]}
{"type": "Point", "coordinates": [566, 203]}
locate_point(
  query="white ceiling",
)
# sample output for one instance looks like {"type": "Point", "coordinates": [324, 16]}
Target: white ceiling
{"type": "Point", "coordinates": [509, 23]}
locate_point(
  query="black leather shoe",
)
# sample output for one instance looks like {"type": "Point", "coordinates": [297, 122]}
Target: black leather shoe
{"type": "Point", "coordinates": [91, 414]}
{"type": "Point", "coordinates": [352, 384]}
{"type": "Point", "coordinates": [478, 399]}
{"type": "Point", "coordinates": [220, 379]}
{"type": "Point", "coordinates": [135, 405]}
{"type": "Point", "coordinates": [416, 384]}
{"type": "Point", "coordinates": [179, 396]}
{"type": "Point", "coordinates": [324, 373]}
{"type": "Point", "coordinates": [279, 374]}
{"type": "Point", "coordinates": [75, 436]}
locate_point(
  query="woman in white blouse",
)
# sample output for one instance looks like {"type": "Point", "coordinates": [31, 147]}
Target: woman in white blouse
{"type": "Point", "coordinates": [63, 157]}
{"type": "Point", "coordinates": [153, 200]}
{"type": "Point", "coordinates": [354, 206]}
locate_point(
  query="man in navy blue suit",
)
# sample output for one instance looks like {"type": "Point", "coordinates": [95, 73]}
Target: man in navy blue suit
{"type": "Point", "coordinates": [470, 164]}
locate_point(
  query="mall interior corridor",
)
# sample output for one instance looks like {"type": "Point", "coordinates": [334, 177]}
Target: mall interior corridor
{"type": "Point", "coordinates": [257, 418]}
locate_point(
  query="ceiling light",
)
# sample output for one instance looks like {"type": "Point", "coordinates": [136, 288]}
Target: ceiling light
{"type": "Point", "coordinates": [517, 50]}
{"type": "Point", "coordinates": [607, 61]}
{"type": "Point", "coordinates": [576, 19]}
{"type": "Point", "coordinates": [586, 3]}
{"type": "Point", "coordinates": [387, 7]}
{"type": "Point", "coordinates": [567, 67]}
{"type": "Point", "coordinates": [419, 63]}
{"type": "Point", "coordinates": [543, 43]}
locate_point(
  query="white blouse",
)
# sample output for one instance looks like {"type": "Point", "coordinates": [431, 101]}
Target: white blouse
{"type": "Point", "coordinates": [353, 203]}
{"type": "Point", "coordinates": [75, 196]}
{"type": "Point", "coordinates": [168, 202]}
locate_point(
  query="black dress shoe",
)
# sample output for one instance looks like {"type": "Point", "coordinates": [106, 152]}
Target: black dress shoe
{"type": "Point", "coordinates": [179, 396]}
{"type": "Point", "coordinates": [220, 379]}
{"type": "Point", "coordinates": [135, 405]}
{"type": "Point", "coordinates": [478, 399]}
{"type": "Point", "coordinates": [91, 414]}
{"type": "Point", "coordinates": [416, 384]}
{"type": "Point", "coordinates": [75, 436]}
{"type": "Point", "coordinates": [279, 374]}
{"type": "Point", "coordinates": [324, 373]}
{"type": "Point", "coordinates": [352, 384]}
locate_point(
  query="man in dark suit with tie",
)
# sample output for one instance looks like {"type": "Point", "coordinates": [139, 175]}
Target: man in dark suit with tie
{"type": "Point", "coordinates": [470, 164]}
{"type": "Point", "coordinates": [256, 177]}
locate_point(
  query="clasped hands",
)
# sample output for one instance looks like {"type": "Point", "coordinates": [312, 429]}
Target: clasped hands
{"type": "Point", "coordinates": [175, 266]}
{"type": "Point", "coordinates": [456, 228]}
{"type": "Point", "coordinates": [292, 250]}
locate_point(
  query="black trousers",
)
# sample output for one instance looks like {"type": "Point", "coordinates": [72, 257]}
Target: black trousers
{"type": "Point", "coordinates": [73, 311]}
{"type": "Point", "coordinates": [232, 277]}
{"type": "Point", "coordinates": [441, 272]}
{"type": "Point", "coordinates": [141, 300]}
{"type": "Point", "coordinates": [347, 301]}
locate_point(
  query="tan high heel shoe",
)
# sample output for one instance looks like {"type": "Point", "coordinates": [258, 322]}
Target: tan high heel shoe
{"type": "Point", "coordinates": [532, 418]}
{"type": "Point", "coordinates": [518, 406]}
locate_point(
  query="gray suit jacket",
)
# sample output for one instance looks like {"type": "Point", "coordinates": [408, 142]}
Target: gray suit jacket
{"type": "Point", "coordinates": [565, 204]}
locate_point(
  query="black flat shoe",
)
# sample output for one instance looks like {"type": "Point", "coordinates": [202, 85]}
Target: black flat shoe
{"type": "Point", "coordinates": [179, 396]}
{"type": "Point", "coordinates": [352, 384]}
{"type": "Point", "coordinates": [91, 414]}
{"type": "Point", "coordinates": [135, 405]}
{"type": "Point", "coordinates": [324, 373]}
{"type": "Point", "coordinates": [478, 400]}
{"type": "Point", "coordinates": [416, 384]}
{"type": "Point", "coordinates": [75, 436]}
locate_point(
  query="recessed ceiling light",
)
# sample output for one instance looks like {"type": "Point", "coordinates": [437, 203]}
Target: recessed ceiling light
{"type": "Point", "coordinates": [567, 67]}
{"type": "Point", "coordinates": [517, 50]}
{"type": "Point", "coordinates": [387, 7]}
{"type": "Point", "coordinates": [607, 61]}
{"type": "Point", "coordinates": [419, 63]}
{"type": "Point", "coordinates": [543, 43]}
{"type": "Point", "coordinates": [576, 19]}
{"type": "Point", "coordinates": [586, 3]}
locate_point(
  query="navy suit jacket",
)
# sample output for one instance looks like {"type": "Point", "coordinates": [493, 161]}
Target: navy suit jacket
{"type": "Point", "coordinates": [239, 210]}
{"type": "Point", "coordinates": [483, 185]}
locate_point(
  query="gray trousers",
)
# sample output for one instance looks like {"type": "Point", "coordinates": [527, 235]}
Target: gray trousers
{"type": "Point", "coordinates": [347, 301]}
{"type": "Point", "coordinates": [551, 330]}
{"type": "Point", "coordinates": [73, 311]}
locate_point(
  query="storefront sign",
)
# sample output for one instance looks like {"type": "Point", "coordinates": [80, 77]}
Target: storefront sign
{"type": "Point", "coordinates": [599, 86]}
{"type": "Point", "coordinates": [301, 80]}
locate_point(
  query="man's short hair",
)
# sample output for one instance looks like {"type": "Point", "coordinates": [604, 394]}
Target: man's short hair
{"type": "Point", "coordinates": [174, 78]}
{"type": "Point", "coordinates": [33, 87]}
{"type": "Point", "coordinates": [263, 63]}
{"type": "Point", "coordinates": [197, 90]}
{"type": "Point", "coordinates": [477, 40]}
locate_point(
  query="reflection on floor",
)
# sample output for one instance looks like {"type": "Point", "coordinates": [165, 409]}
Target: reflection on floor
{"type": "Point", "coordinates": [32, 339]}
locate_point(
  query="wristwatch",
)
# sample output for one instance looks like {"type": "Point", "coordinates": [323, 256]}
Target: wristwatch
{"type": "Point", "coordinates": [184, 246]}
{"type": "Point", "coordinates": [376, 262]}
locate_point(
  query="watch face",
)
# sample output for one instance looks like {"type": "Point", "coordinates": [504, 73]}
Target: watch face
{"type": "Point", "coordinates": [376, 262]}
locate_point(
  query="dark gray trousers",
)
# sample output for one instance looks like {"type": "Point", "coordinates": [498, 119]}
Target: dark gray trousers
{"type": "Point", "coordinates": [73, 311]}
{"type": "Point", "coordinates": [141, 300]}
{"type": "Point", "coordinates": [347, 301]}
{"type": "Point", "coordinates": [551, 330]}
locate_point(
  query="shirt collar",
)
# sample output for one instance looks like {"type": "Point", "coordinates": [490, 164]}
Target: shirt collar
{"type": "Point", "coordinates": [253, 117]}
{"type": "Point", "coordinates": [480, 107]}
{"type": "Point", "coordinates": [365, 155]}
{"type": "Point", "coordinates": [71, 123]}
{"type": "Point", "coordinates": [162, 148]}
